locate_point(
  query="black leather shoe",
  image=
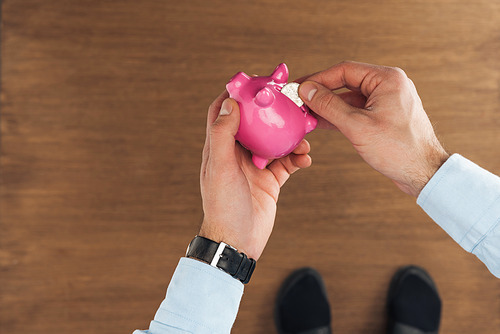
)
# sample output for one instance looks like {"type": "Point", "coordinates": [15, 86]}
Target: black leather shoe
{"type": "Point", "coordinates": [413, 303]}
{"type": "Point", "coordinates": [302, 304]}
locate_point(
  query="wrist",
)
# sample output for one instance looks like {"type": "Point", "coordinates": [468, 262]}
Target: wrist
{"type": "Point", "coordinates": [219, 234]}
{"type": "Point", "coordinates": [429, 167]}
{"type": "Point", "coordinates": [222, 256]}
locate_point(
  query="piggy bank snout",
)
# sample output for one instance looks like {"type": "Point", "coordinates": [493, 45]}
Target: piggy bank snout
{"type": "Point", "coordinates": [237, 82]}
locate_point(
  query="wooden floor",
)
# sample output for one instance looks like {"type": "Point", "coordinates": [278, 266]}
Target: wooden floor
{"type": "Point", "coordinates": [102, 126]}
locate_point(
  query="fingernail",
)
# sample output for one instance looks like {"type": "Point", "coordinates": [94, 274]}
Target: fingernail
{"type": "Point", "coordinates": [226, 108]}
{"type": "Point", "coordinates": [307, 90]}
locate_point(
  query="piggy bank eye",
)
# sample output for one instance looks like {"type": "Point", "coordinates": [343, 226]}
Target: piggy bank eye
{"type": "Point", "coordinates": [264, 97]}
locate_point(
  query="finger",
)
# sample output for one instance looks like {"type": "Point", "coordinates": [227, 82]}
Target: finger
{"type": "Point", "coordinates": [303, 148]}
{"type": "Point", "coordinates": [355, 99]}
{"type": "Point", "coordinates": [213, 110]}
{"type": "Point", "coordinates": [204, 156]}
{"type": "Point", "coordinates": [212, 115]}
{"type": "Point", "coordinates": [284, 167]}
{"type": "Point", "coordinates": [326, 104]}
{"type": "Point", "coordinates": [351, 75]}
{"type": "Point", "coordinates": [301, 160]}
{"type": "Point", "coordinates": [222, 132]}
{"type": "Point", "coordinates": [304, 78]}
{"type": "Point", "coordinates": [324, 124]}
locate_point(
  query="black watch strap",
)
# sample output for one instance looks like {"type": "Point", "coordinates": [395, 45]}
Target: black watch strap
{"type": "Point", "coordinates": [222, 256]}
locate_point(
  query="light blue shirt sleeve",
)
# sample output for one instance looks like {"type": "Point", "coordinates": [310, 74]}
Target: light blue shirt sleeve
{"type": "Point", "coordinates": [200, 299]}
{"type": "Point", "coordinates": [464, 199]}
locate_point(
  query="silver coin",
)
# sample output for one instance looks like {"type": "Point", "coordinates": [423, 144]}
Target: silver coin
{"type": "Point", "coordinates": [291, 90]}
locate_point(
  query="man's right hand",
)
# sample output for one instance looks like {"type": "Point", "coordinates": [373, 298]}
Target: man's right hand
{"type": "Point", "coordinates": [382, 116]}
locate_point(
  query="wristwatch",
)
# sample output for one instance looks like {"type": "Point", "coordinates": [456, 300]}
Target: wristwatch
{"type": "Point", "coordinates": [223, 257]}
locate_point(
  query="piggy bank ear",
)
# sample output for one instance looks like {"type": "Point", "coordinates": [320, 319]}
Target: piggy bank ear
{"type": "Point", "coordinates": [280, 74]}
{"type": "Point", "coordinates": [236, 82]}
{"type": "Point", "coordinates": [264, 97]}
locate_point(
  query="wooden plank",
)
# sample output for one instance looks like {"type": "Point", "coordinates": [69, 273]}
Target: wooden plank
{"type": "Point", "coordinates": [102, 126]}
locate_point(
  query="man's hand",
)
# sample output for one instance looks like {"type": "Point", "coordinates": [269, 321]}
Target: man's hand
{"type": "Point", "coordinates": [239, 200]}
{"type": "Point", "coordinates": [382, 116]}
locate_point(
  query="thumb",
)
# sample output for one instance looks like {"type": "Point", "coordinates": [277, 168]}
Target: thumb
{"type": "Point", "coordinates": [222, 132]}
{"type": "Point", "coordinates": [325, 103]}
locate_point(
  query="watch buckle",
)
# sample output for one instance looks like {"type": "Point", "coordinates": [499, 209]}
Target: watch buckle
{"type": "Point", "coordinates": [218, 254]}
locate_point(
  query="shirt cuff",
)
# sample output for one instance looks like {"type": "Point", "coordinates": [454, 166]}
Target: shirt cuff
{"type": "Point", "coordinates": [464, 199]}
{"type": "Point", "coordinates": [200, 299]}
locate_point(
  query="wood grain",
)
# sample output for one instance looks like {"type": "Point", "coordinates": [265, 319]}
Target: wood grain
{"type": "Point", "coordinates": [102, 126]}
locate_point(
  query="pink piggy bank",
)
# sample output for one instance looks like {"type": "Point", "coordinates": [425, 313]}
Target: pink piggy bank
{"type": "Point", "coordinates": [271, 124]}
